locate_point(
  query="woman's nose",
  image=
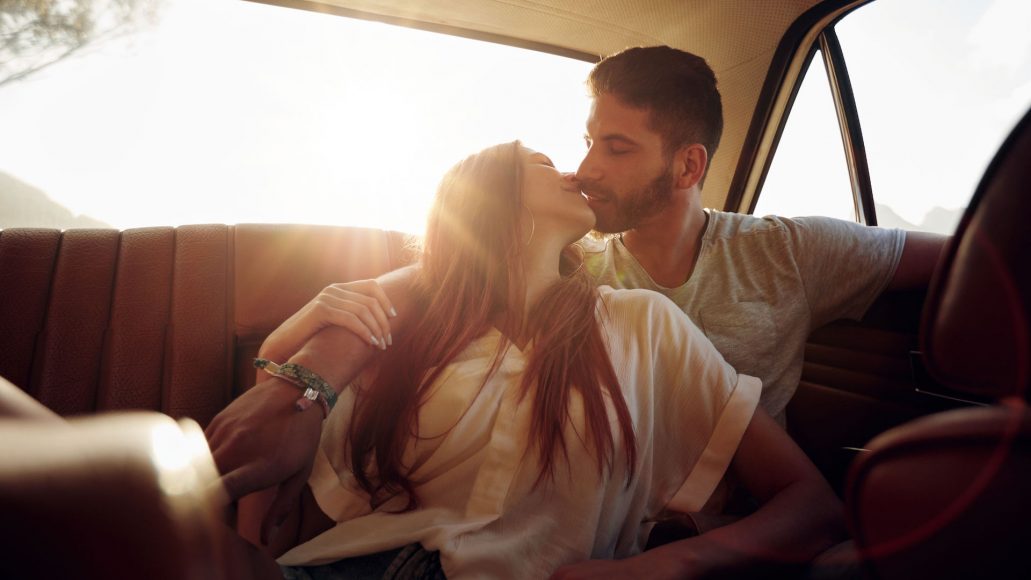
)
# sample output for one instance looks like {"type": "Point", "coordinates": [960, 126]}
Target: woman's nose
{"type": "Point", "coordinates": [570, 176]}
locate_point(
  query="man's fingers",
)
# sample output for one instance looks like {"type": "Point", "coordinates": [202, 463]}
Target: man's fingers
{"type": "Point", "coordinates": [286, 500]}
{"type": "Point", "coordinates": [240, 482]}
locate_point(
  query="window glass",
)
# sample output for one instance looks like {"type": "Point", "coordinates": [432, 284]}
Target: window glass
{"type": "Point", "coordinates": [939, 84]}
{"type": "Point", "coordinates": [225, 111]}
{"type": "Point", "coordinates": [809, 174]}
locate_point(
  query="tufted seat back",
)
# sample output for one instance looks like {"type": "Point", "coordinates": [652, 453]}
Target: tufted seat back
{"type": "Point", "coordinates": [163, 319]}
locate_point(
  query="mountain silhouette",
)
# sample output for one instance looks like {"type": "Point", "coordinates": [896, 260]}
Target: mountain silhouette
{"type": "Point", "coordinates": [22, 205]}
{"type": "Point", "coordinates": [939, 220]}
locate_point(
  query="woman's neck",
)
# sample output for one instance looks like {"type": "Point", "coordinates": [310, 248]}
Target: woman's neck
{"type": "Point", "coordinates": [541, 270]}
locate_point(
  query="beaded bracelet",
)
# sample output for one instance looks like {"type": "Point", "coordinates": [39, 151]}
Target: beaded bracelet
{"type": "Point", "coordinates": [315, 388]}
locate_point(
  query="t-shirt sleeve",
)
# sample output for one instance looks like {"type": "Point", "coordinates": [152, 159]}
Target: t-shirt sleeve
{"type": "Point", "coordinates": [699, 405]}
{"type": "Point", "coordinates": [844, 266]}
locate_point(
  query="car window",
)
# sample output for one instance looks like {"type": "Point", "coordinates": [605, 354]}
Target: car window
{"type": "Point", "coordinates": [225, 111]}
{"type": "Point", "coordinates": [938, 85]}
{"type": "Point", "coordinates": [808, 175]}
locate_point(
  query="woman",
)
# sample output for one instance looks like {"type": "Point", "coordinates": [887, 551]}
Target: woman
{"type": "Point", "coordinates": [533, 425]}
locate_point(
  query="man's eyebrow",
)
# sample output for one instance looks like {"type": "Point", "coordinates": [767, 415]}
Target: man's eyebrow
{"type": "Point", "coordinates": [612, 137]}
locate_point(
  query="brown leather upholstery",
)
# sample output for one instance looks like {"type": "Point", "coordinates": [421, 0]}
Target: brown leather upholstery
{"type": "Point", "coordinates": [977, 320]}
{"type": "Point", "coordinates": [946, 496]}
{"type": "Point", "coordinates": [163, 319]}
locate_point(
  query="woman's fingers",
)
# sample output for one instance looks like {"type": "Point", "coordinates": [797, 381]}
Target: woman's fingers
{"type": "Point", "coordinates": [354, 314]}
{"type": "Point", "coordinates": [373, 289]}
{"type": "Point", "coordinates": [371, 305]}
{"type": "Point", "coordinates": [371, 295]}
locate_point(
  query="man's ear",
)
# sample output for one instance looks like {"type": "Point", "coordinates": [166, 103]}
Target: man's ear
{"type": "Point", "coordinates": [690, 162]}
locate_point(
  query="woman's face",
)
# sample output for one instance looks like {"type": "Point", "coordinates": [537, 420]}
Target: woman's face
{"type": "Point", "coordinates": [554, 198]}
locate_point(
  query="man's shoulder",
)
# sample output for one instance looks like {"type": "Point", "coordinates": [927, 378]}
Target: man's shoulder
{"type": "Point", "coordinates": [725, 225]}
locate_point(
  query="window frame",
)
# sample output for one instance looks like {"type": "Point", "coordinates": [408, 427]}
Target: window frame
{"type": "Point", "coordinates": [811, 32]}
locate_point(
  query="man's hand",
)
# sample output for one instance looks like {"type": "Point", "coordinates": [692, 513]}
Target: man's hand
{"type": "Point", "coordinates": [260, 440]}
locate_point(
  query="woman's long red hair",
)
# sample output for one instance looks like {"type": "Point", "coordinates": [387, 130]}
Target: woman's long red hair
{"type": "Point", "coordinates": [471, 279]}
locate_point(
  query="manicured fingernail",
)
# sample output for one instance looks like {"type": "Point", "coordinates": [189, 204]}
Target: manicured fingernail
{"type": "Point", "coordinates": [382, 343]}
{"type": "Point", "coordinates": [373, 340]}
{"type": "Point", "coordinates": [392, 311]}
{"type": "Point", "coordinates": [390, 340]}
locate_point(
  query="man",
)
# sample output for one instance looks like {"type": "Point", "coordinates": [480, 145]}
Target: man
{"type": "Point", "coordinates": [755, 286]}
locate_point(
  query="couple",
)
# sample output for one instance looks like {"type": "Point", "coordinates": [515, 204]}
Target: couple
{"type": "Point", "coordinates": [531, 423]}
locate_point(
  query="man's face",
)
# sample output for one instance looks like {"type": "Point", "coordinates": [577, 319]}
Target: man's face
{"type": "Point", "coordinates": [625, 174]}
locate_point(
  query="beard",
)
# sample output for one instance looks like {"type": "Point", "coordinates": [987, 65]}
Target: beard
{"type": "Point", "coordinates": [629, 211]}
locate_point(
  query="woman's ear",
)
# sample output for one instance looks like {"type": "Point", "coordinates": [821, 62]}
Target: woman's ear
{"type": "Point", "coordinates": [690, 162]}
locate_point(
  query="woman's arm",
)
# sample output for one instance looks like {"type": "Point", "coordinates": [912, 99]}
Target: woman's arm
{"type": "Point", "coordinates": [800, 516]}
{"type": "Point", "coordinates": [360, 306]}
{"type": "Point", "coordinates": [260, 441]}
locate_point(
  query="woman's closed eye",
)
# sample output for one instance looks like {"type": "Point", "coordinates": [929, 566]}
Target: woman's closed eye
{"type": "Point", "coordinates": [541, 159]}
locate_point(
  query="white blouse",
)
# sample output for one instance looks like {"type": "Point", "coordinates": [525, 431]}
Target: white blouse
{"type": "Point", "coordinates": [474, 468]}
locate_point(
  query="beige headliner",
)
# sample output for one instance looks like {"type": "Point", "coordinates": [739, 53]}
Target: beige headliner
{"type": "Point", "coordinates": [737, 37]}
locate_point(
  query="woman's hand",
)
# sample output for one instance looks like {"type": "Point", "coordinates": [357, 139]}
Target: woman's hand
{"type": "Point", "coordinates": [360, 306]}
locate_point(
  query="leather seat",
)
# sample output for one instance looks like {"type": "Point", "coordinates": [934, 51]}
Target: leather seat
{"type": "Point", "coordinates": [949, 495]}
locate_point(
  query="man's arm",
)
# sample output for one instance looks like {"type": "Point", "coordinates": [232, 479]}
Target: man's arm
{"type": "Point", "coordinates": [260, 441]}
{"type": "Point", "coordinates": [920, 256]}
{"type": "Point", "coordinates": [800, 516]}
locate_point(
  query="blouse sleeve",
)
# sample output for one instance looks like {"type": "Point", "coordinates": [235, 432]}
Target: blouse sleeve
{"type": "Point", "coordinates": [692, 408]}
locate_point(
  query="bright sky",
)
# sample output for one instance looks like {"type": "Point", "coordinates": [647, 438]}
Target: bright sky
{"type": "Point", "coordinates": [229, 111]}
{"type": "Point", "coordinates": [935, 102]}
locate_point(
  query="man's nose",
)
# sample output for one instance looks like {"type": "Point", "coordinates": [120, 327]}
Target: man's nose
{"type": "Point", "coordinates": [588, 170]}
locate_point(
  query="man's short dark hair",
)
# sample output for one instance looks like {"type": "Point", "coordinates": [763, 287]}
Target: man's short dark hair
{"type": "Point", "coordinates": [676, 87]}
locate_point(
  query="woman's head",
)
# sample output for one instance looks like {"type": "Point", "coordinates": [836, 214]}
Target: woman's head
{"type": "Point", "coordinates": [492, 210]}
{"type": "Point", "coordinates": [494, 204]}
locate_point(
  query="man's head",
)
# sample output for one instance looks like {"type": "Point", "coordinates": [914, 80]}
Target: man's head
{"type": "Point", "coordinates": [655, 122]}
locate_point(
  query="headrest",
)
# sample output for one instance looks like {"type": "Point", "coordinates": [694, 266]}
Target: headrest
{"type": "Point", "coordinates": [976, 328]}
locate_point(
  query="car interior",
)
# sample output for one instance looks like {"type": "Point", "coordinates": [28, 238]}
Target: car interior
{"type": "Point", "coordinates": [917, 414]}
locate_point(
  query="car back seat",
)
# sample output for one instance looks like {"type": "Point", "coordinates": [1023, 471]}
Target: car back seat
{"type": "Point", "coordinates": [163, 319]}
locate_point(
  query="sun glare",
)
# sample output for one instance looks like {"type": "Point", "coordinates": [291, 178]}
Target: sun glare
{"type": "Point", "coordinates": [228, 112]}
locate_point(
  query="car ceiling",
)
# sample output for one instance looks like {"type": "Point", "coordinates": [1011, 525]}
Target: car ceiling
{"type": "Point", "coordinates": [737, 37]}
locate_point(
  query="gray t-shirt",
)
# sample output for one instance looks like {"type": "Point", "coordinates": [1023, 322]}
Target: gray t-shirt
{"type": "Point", "coordinates": [761, 285]}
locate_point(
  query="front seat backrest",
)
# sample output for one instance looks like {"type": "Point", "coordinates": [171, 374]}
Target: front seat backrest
{"type": "Point", "coordinates": [946, 496]}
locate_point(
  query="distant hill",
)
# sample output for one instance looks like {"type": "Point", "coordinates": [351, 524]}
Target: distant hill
{"type": "Point", "coordinates": [22, 205]}
{"type": "Point", "coordinates": [939, 220]}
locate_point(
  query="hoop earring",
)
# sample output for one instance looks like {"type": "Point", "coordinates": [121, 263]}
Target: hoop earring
{"type": "Point", "coordinates": [533, 226]}
{"type": "Point", "coordinates": [583, 258]}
